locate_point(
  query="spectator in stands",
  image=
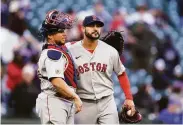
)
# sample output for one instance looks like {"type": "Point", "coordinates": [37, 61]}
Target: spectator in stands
{"type": "Point", "coordinates": [143, 99]}
{"type": "Point", "coordinates": [174, 112]}
{"type": "Point", "coordinates": [162, 103]}
{"type": "Point", "coordinates": [170, 114]}
{"type": "Point", "coordinates": [11, 78]}
{"type": "Point", "coordinates": [14, 70]}
{"type": "Point", "coordinates": [17, 15]}
{"type": "Point", "coordinates": [180, 11]}
{"type": "Point", "coordinates": [141, 50]}
{"type": "Point", "coordinates": [141, 15]}
{"type": "Point", "coordinates": [16, 33]}
{"type": "Point", "coordinates": [178, 75]}
{"type": "Point", "coordinates": [161, 19]}
{"type": "Point", "coordinates": [8, 43]}
{"type": "Point", "coordinates": [4, 13]}
{"type": "Point", "coordinates": [25, 93]}
{"type": "Point", "coordinates": [169, 54]}
{"type": "Point", "coordinates": [160, 80]}
{"type": "Point", "coordinates": [118, 22]}
{"type": "Point", "coordinates": [76, 33]}
{"type": "Point", "coordinates": [100, 11]}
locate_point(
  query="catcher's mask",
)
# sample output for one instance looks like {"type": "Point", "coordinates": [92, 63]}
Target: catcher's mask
{"type": "Point", "coordinates": [124, 117]}
{"type": "Point", "coordinates": [56, 21]}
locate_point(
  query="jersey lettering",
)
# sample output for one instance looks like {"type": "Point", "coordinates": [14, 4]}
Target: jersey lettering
{"type": "Point", "coordinates": [93, 66]}
{"type": "Point", "coordinates": [81, 69]}
{"type": "Point", "coordinates": [104, 68]}
{"type": "Point", "coordinates": [86, 67]}
{"type": "Point", "coordinates": [98, 66]}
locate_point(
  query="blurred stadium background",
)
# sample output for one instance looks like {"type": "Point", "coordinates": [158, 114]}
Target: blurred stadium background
{"type": "Point", "coordinates": [153, 32]}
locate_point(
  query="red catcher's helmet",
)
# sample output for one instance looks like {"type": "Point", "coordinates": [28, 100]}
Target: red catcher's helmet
{"type": "Point", "coordinates": [59, 19]}
{"type": "Point", "coordinates": [56, 21]}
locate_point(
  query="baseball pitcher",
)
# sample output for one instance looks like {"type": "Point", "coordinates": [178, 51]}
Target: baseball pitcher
{"type": "Point", "coordinates": [95, 62]}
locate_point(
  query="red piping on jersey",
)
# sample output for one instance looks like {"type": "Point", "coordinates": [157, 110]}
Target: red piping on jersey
{"type": "Point", "coordinates": [125, 85]}
{"type": "Point", "coordinates": [48, 110]}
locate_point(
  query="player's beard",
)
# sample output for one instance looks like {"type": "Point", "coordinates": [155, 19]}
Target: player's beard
{"type": "Point", "coordinates": [90, 35]}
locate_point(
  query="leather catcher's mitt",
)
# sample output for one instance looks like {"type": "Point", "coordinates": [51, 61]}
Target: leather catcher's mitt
{"type": "Point", "coordinates": [115, 39]}
{"type": "Point", "coordinates": [124, 117]}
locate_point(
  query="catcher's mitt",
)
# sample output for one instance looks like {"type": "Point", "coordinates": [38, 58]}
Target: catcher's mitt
{"type": "Point", "coordinates": [124, 117]}
{"type": "Point", "coordinates": [115, 39]}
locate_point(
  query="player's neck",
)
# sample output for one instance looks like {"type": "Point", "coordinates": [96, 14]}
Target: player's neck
{"type": "Point", "coordinates": [54, 42]}
{"type": "Point", "coordinates": [88, 44]}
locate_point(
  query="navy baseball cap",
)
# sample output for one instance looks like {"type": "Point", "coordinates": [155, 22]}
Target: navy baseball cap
{"type": "Point", "coordinates": [92, 19]}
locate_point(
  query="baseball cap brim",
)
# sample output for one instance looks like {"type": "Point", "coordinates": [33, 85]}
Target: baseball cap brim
{"type": "Point", "coordinates": [95, 22]}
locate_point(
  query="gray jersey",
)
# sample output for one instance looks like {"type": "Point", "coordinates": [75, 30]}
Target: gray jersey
{"type": "Point", "coordinates": [50, 106]}
{"type": "Point", "coordinates": [48, 68]}
{"type": "Point", "coordinates": [95, 69]}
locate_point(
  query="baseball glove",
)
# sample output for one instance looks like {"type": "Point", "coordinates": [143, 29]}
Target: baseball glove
{"type": "Point", "coordinates": [115, 39]}
{"type": "Point", "coordinates": [125, 118]}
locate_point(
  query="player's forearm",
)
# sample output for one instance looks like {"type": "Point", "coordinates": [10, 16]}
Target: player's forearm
{"type": "Point", "coordinates": [125, 85]}
{"type": "Point", "coordinates": [63, 88]}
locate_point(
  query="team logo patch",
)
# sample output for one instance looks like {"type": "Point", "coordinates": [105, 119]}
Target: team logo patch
{"type": "Point", "coordinates": [77, 57]}
{"type": "Point", "coordinates": [94, 17]}
{"type": "Point", "coordinates": [57, 71]}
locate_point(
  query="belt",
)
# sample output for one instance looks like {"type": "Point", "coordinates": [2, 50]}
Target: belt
{"type": "Point", "coordinates": [94, 100]}
{"type": "Point", "coordinates": [43, 77]}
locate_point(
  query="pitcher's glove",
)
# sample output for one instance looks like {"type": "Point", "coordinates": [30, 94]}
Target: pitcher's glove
{"type": "Point", "coordinates": [115, 39]}
{"type": "Point", "coordinates": [124, 117]}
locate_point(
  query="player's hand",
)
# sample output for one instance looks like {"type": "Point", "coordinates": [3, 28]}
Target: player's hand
{"type": "Point", "coordinates": [78, 104]}
{"type": "Point", "coordinates": [130, 105]}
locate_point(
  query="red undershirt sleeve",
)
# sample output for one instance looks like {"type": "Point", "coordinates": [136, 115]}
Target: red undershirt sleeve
{"type": "Point", "coordinates": [125, 85]}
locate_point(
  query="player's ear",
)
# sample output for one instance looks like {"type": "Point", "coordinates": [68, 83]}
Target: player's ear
{"type": "Point", "coordinates": [50, 37]}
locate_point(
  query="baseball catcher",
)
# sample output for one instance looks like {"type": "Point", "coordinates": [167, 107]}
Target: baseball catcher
{"type": "Point", "coordinates": [57, 103]}
{"type": "Point", "coordinates": [115, 39]}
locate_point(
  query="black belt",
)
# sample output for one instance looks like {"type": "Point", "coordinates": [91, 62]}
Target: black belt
{"type": "Point", "coordinates": [43, 77]}
{"type": "Point", "coordinates": [94, 100]}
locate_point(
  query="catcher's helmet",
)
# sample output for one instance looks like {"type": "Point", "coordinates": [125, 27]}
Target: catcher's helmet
{"type": "Point", "coordinates": [124, 117]}
{"type": "Point", "coordinates": [56, 21]}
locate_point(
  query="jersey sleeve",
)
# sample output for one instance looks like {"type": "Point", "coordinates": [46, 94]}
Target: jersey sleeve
{"type": "Point", "coordinates": [55, 67]}
{"type": "Point", "coordinates": [118, 67]}
{"type": "Point", "coordinates": [68, 45]}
